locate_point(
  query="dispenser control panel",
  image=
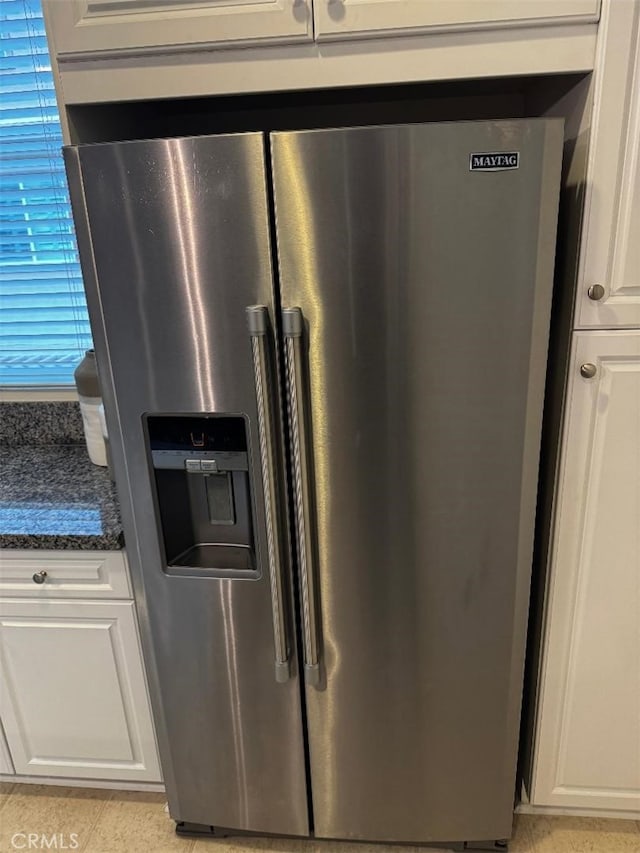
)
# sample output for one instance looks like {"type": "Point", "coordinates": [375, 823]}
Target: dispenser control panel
{"type": "Point", "coordinates": [198, 444]}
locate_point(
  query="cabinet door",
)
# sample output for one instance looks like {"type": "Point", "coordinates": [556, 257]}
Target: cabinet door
{"type": "Point", "coordinates": [588, 732]}
{"type": "Point", "coordinates": [93, 27]}
{"type": "Point", "coordinates": [6, 764]}
{"type": "Point", "coordinates": [611, 243]}
{"type": "Point", "coordinates": [73, 699]}
{"type": "Point", "coordinates": [367, 18]}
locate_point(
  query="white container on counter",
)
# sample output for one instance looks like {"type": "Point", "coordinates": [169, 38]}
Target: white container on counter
{"type": "Point", "coordinates": [91, 408]}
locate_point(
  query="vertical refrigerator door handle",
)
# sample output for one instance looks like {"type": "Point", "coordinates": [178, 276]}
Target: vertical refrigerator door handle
{"type": "Point", "coordinates": [292, 326]}
{"type": "Point", "coordinates": [258, 321]}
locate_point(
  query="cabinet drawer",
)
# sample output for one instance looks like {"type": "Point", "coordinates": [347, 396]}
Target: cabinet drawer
{"type": "Point", "coordinates": [69, 574]}
{"type": "Point", "coordinates": [90, 28]}
{"type": "Point", "coordinates": [368, 18]}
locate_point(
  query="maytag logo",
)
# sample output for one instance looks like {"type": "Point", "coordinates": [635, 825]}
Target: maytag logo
{"type": "Point", "coordinates": [494, 161]}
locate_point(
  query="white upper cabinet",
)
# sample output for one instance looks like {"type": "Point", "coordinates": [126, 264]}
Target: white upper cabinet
{"type": "Point", "coordinates": [609, 279]}
{"type": "Point", "coordinates": [587, 751]}
{"type": "Point", "coordinates": [368, 18]}
{"type": "Point", "coordinates": [81, 28]}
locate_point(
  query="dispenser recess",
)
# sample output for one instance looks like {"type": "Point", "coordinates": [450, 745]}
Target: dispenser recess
{"type": "Point", "coordinates": [203, 493]}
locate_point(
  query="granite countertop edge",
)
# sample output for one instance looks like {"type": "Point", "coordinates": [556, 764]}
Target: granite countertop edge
{"type": "Point", "coordinates": [50, 542]}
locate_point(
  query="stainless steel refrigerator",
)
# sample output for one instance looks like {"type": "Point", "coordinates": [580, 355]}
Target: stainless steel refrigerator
{"type": "Point", "coordinates": [323, 356]}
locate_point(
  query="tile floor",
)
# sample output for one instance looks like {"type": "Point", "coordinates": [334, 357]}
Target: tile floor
{"type": "Point", "coordinates": [132, 822]}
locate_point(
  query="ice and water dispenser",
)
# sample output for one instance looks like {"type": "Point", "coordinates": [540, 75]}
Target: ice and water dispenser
{"type": "Point", "coordinates": [201, 470]}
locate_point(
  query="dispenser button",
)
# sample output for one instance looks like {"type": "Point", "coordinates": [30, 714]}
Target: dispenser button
{"type": "Point", "coordinates": [192, 465]}
{"type": "Point", "coordinates": [209, 465]}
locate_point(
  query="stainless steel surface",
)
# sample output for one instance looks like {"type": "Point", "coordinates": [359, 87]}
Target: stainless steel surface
{"type": "Point", "coordinates": [292, 327]}
{"type": "Point", "coordinates": [588, 370]}
{"type": "Point", "coordinates": [174, 244]}
{"type": "Point", "coordinates": [258, 323]}
{"type": "Point", "coordinates": [408, 268]}
{"type": "Point", "coordinates": [39, 577]}
{"type": "Point", "coordinates": [595, 292]}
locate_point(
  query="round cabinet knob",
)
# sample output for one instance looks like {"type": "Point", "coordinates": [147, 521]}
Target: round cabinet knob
{"type": "Point", "coordinates": [595, 292]}
{"type": "Point", "coordinates": [39, 577]}
{"type": "Point", "coordinates": [588, 370]}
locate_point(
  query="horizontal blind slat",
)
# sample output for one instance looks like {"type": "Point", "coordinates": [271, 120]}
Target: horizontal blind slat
{"type": "Point", "coordinates": [20, 275]}
{"type": "Point", "coordinates": [37, 182]}
{"type": "Point", "coordinates": [15, 319]}
{"type": "Point", "coordinates": [14, 152]}
{"type": "Point", "coordinates": [36, 300]}
{"type": "Point", "coordinates": [52, 226]}
{"type": "Point", "coordinates": [20, 8]}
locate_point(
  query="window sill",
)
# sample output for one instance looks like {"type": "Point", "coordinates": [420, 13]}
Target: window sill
{"type": "Point", "coordinates": [37, 395]}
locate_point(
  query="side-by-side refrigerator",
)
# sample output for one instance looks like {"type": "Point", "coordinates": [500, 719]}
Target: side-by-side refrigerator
{"type": "Point", "coordinates": [322, 355]}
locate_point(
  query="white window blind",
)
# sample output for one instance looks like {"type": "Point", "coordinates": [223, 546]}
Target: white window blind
{"type": "Point", "coordinates": [44, 328]}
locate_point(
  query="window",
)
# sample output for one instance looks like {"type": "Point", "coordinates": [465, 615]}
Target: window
{"type": "Point", "coordinates": [44, 328]}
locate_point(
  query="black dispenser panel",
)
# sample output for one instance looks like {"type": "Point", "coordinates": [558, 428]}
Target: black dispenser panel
{"type": "Point", "coordinates": [203, 490]}
{"type": "Point", "coordinates": [186, 442]}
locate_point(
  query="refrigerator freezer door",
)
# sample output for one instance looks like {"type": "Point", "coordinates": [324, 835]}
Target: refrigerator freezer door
{"type": "Point", "coordinates": [424, 280]}
{"type": "Point", "coordinates": [175, 245]}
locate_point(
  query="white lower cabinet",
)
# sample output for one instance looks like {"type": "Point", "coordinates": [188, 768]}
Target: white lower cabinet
{"type": "Point", "coordinates": [6, 764]}
{"type": "Point", "coordinates": [73, 695]}
{"type": "Point", "coordinates": [588, 729]}
{"type": "Point", "coordinates": [73, 698]}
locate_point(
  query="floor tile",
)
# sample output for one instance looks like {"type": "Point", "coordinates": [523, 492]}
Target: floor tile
{"type": "Point", "coordinates": [578, 835]}
{"type": "Point", "coordinates": [135, 822]}
{"type": "Point", "coordinates": [520, 840]}
{"type": "Point", "coordinates": [5, 789]}
{"type": "Point", "coordinates": [49, 810]}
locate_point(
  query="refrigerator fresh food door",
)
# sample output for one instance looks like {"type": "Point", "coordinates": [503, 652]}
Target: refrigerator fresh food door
{"type": "Point", "coordinates": [420, 259]}
{"type": "Point", "coordinates": [174, 241]}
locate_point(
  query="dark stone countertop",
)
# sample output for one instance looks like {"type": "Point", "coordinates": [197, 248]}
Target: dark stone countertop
{"type": "Point", "coordinates": [54, 497]}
